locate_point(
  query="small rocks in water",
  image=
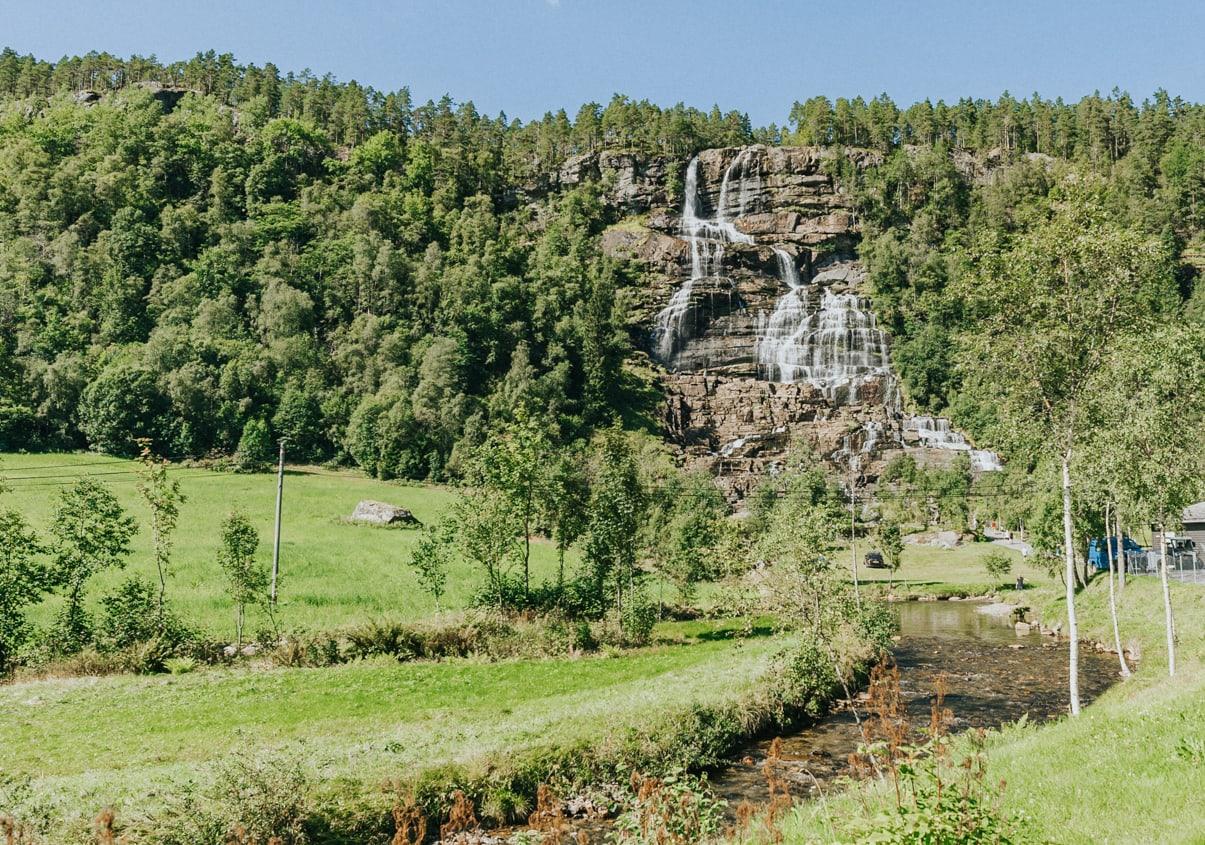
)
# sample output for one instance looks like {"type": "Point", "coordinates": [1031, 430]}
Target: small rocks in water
{"type": "Point", "coordinates": [1022, 627]}
{"type": "Point", "coordinates": [380, 513]}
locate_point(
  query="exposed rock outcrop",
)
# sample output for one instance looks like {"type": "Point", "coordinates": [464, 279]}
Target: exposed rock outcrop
{"type": "Point", "coordinates": [754, 307]}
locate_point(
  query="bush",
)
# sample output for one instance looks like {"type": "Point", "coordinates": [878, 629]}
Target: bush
{"type": "Point", "coordinates": [998, 565]}
{"type": "Point", "coordinates": [299, 650]}
{"type": "Point", "coordinates": [260, 798]}
{"type": "Point", "coordinates": [254, 447]}
{"type": "Point", "coordinates": [639, 617]}
{"type": "Point", "coordinates": [128, 614]}
{"type": "Point", "coordinates": [676, 809]}
{"type": "Point", "coordinates": [388, 638]}
{"type": "Point", "coordinates": [131, 624]}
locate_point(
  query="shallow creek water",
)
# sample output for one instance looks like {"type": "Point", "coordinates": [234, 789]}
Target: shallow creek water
{"type": "Point", "coordinates": [993, 676]}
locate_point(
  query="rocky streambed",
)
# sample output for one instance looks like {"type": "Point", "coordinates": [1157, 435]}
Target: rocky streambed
{"type": "Point", "coordinates": [993, 675]}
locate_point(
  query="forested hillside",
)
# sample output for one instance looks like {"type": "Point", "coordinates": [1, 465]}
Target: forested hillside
{"type": "Point", "coordinates": [215, 255]}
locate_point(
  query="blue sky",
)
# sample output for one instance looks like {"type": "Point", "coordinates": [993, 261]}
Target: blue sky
{"type": "Point", "coordinates": [529, 56]}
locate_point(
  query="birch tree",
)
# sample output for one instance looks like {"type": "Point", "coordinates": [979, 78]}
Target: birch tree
{"type": "Point", "coordinates": [1049, 304]}
{"type": "Point", "coordinates": [163, 498]}
{"type": "Point", "coordinates": [1154, 419]}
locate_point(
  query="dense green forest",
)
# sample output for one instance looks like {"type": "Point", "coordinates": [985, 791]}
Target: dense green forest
{"type": "Point", "coordinates": [283, 255]}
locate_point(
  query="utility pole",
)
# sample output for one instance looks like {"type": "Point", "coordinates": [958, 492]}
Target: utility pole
{"type": "Point", "coordinates": [280, 484]}
{"type": "Point", "coordinates": [853, 547]}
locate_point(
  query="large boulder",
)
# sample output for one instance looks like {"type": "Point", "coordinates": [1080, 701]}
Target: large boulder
{"type": "Point", "coordinates": [380, 513]}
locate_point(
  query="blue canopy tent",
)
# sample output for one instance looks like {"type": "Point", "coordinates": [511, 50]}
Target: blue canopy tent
{"type": "Point", "coordinates": [1098, 555]}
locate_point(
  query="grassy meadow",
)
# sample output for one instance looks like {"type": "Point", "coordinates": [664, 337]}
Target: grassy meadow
{"type": "Point", "coordinates": [127, 741]}
{"type": "Point", "coordinates": [931, 569]}
{"type": "Point", "coordinates": [333, 573]}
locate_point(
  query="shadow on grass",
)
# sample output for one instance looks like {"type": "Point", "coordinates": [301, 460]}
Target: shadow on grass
{"type": "Point", "coordinates": [720, 634]}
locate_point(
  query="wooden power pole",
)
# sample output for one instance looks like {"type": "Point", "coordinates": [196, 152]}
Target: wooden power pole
{"type": "Point", "coordinates": [280, 484]}
{"type": "Point", "coordinates": [853, 541]}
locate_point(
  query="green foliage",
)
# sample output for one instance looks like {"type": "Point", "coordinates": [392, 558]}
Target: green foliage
{"type": "Point", "coordinates": [254, 446]}
{"type": "Point", "coordinates": [676, 807]}
{"type": "Point", "coordinates": [129, 614]}
{"type": "Point", "coordinates": [122, 405]}
{"type": "Point", "coordinates": [891, 541]}
{"type": "Point", "coordinates": [91, 532]}
{"type": "Point", "coordinates": [430, 559]}
{"type": "Point", "coordinates": [617, 509]}
{"type": "Point", "coordinates": [638, 616]}
{"type": "Point", "coordinates": [997, 564]}
{"type": "Point", "coordinates": [247, 581]}
{"type": "Point", "coordinates": [163, 498]}
{"type": "Point", "coordinates": [24, 580]}
{"type": "Point", "coordinates": [939, 811]}
{"type": "Point", "coordinates": [687, 522]}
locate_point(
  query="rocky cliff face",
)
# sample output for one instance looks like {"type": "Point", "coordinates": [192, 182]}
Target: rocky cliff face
{"type": "Point", "coordinates": [754, 308]}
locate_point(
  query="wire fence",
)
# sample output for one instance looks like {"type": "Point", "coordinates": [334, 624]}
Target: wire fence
{"type": "Point", "coordinates": [1181, 565]}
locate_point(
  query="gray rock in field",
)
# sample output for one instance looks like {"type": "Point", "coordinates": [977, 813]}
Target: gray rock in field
{"type": "Point", "coordinates": [379, 513]}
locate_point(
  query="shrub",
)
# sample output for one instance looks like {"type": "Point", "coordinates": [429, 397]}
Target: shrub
{"type": "Point", "coordinates": [676, 809]}
{"type": "Point", "coordinates": [298, 650]}
{"type": "Point", "coordinates": [639, 617]}
{"type": "Point", "coordinates": [128, 614]}
{"type": "Point", "coordinates": [254, 447]}
{"type": "Point", "coordinates": [180, 665]}
{"type": "Point", "coordinates": [267, 796]}
{"type": "Point", "coordinates": [392, 639]}
{"type": "Point", "coordinates": [997, 564]}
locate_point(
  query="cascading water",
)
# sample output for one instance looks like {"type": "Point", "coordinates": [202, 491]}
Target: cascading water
{"type": "Point", "coordinates": [776, 335]}
{"type": "Point", "coordinates": [837, 348]}
{"type": "Point", "coordinates": [706, 237]}
{"type": "Point", "coordinates": [937, 433]}
{"type": "Point", "coordinates": [813, 335]}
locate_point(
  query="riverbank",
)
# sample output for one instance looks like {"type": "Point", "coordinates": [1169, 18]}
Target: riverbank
{"type": "Point", "coordinates": [1131, 768]}
{"type": "Point", "coordinates": [190, 755]}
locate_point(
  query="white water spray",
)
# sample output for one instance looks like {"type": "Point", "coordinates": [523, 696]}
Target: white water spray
{"type": "Point", "coordinates": [707, 237]}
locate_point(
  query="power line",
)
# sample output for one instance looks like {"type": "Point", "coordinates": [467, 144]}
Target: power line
{"type": "Point", "coordinates": [4, 466]}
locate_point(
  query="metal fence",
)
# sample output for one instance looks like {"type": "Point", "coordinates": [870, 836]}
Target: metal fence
{"type": "Point", "coordinates": [1183, 566]}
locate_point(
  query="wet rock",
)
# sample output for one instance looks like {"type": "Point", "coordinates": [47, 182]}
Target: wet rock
{"type": "Point", "coordinates": [1022, 627]}
{"type": "Point", "coordinates": [379, 513]}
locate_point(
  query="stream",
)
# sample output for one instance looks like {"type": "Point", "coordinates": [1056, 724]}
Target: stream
{"type": "Point", "coordinates": [993, 676]}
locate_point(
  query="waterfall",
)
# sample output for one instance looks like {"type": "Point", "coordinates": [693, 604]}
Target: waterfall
{"type": "Point", "coordinates": [937, 433]}
{"type": "Point", "coordinates": [706, 237]}
{"type": "Point", "coordinates": [839, 346]}
{"type": "Point", "coordinates": [776, 335]}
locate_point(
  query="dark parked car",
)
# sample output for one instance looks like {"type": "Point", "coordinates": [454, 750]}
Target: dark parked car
{"type": "Point", "coordinates": [874, 560]}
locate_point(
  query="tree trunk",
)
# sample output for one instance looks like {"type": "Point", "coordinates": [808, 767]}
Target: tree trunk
{"type": "Point", "coordinates": [1069, 555]}
{"type": "Point", "coordinates": [155, 541]}
{"type": "Point", "coordinates": [560, 573]}
{"type": "Point", "coordinates": [526, 551]}
{"type": "Point", "coordinates": [1121, 552]}
{"type": "Point", "coordinates": [1167, 599]}
{"type": "Point", "coordinates": [1125, 670]}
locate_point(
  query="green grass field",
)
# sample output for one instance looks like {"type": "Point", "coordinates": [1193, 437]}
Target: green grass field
{"type": "Point", "coordinates": [121, 741]}
{"type": "Point", "coordinates": [930, 570]}
{"type": "Point", "coordinates": [334, 573]}
{"type": "Point", "coordinates": [1129, 769]}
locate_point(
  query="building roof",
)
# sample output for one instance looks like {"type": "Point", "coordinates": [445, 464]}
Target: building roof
{"type": "Point", "coordinates": [1194, 513]}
